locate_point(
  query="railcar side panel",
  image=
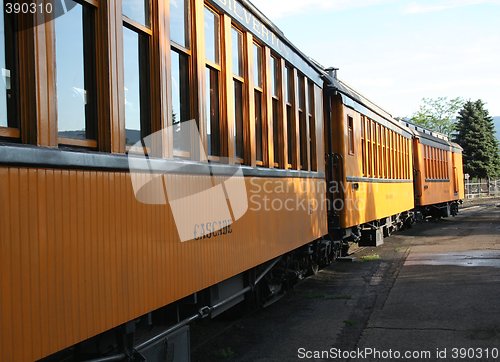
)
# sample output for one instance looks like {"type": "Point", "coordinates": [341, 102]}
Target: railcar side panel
{"type": "Point", "coordinates": [432, 190]}
{"type": "Point", "coordinates": [80, 255]}
{"type": "Point", "coordinates": [361, 199]}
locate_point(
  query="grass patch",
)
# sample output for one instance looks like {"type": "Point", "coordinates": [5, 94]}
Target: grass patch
{"type": "Point", "coordinates": [349, 323]}
{"type": "Point", "coordinates": [372, 257]}
{"type": "Point", "coordinates": [224, 353]}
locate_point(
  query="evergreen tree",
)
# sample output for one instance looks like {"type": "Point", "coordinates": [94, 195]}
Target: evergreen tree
{"type": "Point", "coordinates": [476, 134]}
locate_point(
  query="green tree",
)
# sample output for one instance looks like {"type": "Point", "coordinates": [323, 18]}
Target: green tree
{"type": "Point", "coordinates": [476, 134]}
{"type": "Point", "coordinates": [438, 114]}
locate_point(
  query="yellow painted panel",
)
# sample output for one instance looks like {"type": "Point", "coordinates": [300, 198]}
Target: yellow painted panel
{"type": "Point", "coordinates": [373, 201]}
{"type": "Point", "coordinates": [80, 255]}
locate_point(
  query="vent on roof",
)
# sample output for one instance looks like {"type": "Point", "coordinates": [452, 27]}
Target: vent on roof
{"type": "Point", "coordinates": [332, 72]}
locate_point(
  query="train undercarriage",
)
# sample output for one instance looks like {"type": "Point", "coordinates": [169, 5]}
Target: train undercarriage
{"type": "Point", "coordinates": [164, 334]}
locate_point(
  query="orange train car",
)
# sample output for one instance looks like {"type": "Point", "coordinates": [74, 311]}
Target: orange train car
{"type": "Point", "coordinates": [87, 268]}
{"type": "Point", "coordinates": [93, 261]}
{"type": "Point", "coordinates": [439, 187]}
{"type": "Point", "coordinates": [371, 178]}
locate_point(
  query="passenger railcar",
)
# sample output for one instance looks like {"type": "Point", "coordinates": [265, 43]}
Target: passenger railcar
{"type": "Point", "coordinates": [92, 266]}
{"type": "Point", "coordinates": [370, 174]}
{"type": "Point", "coordinates": [86, 269]}
{"type": "Point", "coordinates": [439, 186]}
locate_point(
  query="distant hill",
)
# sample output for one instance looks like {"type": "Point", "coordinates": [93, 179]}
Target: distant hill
{"type": "Point", "coordinates": [497, 126]}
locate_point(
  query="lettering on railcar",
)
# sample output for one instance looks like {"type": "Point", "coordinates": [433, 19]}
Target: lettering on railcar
{"type": "Point", "coordinates": [212, 229]}
{"type": "Point", "coordinates": [252, 23]}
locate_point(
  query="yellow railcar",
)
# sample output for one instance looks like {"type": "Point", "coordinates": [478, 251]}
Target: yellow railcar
{"type": "Point", "coordinates": [371, 161]}
{"type": "Point", "coordinates": [439, 186]}
{"type": "Point", "coordinates": [87, 267]}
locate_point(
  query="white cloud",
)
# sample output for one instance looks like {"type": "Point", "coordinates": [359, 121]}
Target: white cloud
{"type": "Point", "coordinates": [442, 5]}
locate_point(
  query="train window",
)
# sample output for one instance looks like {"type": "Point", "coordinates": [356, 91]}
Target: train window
{"type": "Point", "coordinates": [350, 135]}
{"type": "Point", "coordinates": [374, 149]}
{"type": "Point", "coordinates": [179, 23]}
{"type": "Point", "coordinates": [277, 124]}
{"type": "Point", "coordinates": [137, 11]}
{"type": "Point", "coordinates": [386, 153]}
{"type": "Point", "coordinates": [379, 155]}
{"type": "Point", "coordinates": [260, 131]}
{"type": "Point", "coordinates": [369, 148]}
{"type": "Point", "coordinates": [237, 51]}
{"type": "Point", "coordinates": [363, 146]}
{"type": "Point", "coordinates": [302, 123]}
{"type": "Point", "coordinates": [238, 81]}
{"type": "Point", "coordinates": [136, 81]}
{"type": "Point", "coordinates": [9, 126]}
{"type": "Point", "coordinates": [212, 36]}
{"type": "Point", "coordinates": [75, 76]}
{"type": "Point", "coordinates": [180, 101]}
{"type": "Point", "coordinates": [181, 65]}
{"type": "Point", "coordinates": [290, 117]}
{"type": "Point", "coordinates": [312, 127]}
{"type": "Point", "coordinates": [212, 45]}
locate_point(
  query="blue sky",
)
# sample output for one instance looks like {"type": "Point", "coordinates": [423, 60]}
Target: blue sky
{"type": "Point", "coordinates": [395, 52]}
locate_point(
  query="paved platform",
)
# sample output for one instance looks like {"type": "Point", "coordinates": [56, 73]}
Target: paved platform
{"type": "Point", "coordinates": [429, 289]}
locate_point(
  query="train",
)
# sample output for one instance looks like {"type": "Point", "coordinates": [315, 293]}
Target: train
{"type": "Point", "coordinates": [162, 163]}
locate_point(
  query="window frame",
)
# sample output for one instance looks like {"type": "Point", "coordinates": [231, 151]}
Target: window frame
{"type": "Point", "coordinates": [12, 50]}
{"type": "Point", "coordinates": [276, 102]}
{"type": "Point", "coordinates": [350, 135]}
{"type": "Point", "coordinates": [242, 79]}
{"type": "Point", "coordinates": [261, 90]}
{"type": "Point", "coordinates": [218, 68]}
{"type": "Point", "coordinates": [145, 69]}
{"type": "Point", "coordinates": [189, 53]}
{"type": "Point", "coordinates": [89, 39]}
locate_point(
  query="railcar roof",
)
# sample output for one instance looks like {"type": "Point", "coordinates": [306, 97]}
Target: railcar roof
{"type": "Point", "coordinates": [347, 91]}
{"type": "Point", "coordinates": [422, 132]}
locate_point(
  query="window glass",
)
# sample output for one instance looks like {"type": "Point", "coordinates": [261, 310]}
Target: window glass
{"type": "Point", "coordinates": [137, 10]}
{"type": "Point", "coordinates": [276, 131]}
{"type": "Point", "coordinates": [7, 100]}
{"type": "Point", "coordinates": [258, 127]}
{"type": "Point", "coordinates": [237, 41]}
{"type": "Point", "coordinates": [132, 73]}
{"type": "Point", "coordinates": [257, 65]}
{"type": "Point", "coordinates": [180, 100]}
{"type": "Point", "coordinates": [290, 134]}
{"type": "Point", "coordinates": [179, 29]}
{"type": "Point", "coordinates": [211, 36]}
{"type": "Point", "coordinates": [275, 76]}
{"type": "Point", "coordinates": [212, 104]}
{"type": "Point", "coordinates": [73, 75]}
{"type": "Point", "coordinates": [238, 122]}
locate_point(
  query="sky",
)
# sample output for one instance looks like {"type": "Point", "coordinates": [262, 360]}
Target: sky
{"type": "Point", "coordinates": [395, 52]}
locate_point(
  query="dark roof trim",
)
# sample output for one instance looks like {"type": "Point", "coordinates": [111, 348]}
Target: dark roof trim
{"type": "Point", "coordinates": [359, 103]}
{"type": "Point", "coordinates": [429, 140]}
{"type": "Point", "coordinates": [349, 102]}
{"type": "Point", "coordinates": [31, 156]}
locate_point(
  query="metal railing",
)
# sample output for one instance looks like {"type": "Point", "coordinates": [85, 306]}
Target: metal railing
{"type": "Point", "coordinates": [486, 188]}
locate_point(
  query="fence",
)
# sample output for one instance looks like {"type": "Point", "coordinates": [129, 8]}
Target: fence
{"type": "Point", "coordinates": [487, 188]}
